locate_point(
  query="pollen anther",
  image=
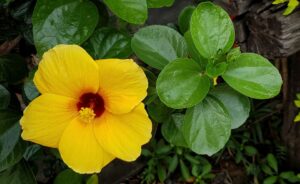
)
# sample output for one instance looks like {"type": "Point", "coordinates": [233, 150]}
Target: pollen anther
{"type": "Point", "coordinates": [87, 114]}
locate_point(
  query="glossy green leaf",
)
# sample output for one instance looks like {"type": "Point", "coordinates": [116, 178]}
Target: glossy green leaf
{"type": "Point", "coordinates": [172, 130]}
{"type": "Point", "coordinates": [158, 111]}
{"type": "Point", "coordinates": [236, 104]}
{"type": "Point", "coordinates": [173, 164]}
{"type": "Point", "coordinates": [19, 174]}
{"type": "Point", "coordinates": [184, 170]}
{"type": "Point", "coordinates": [253, 76]}
{"type": "Point", "coordinates": [4, 97]}
{"type": "Point", "coordinates": [212, 30]}
{"type": "Point", "coordinates": [161, 172]}
{"type": "Point", "coordinates": [12, 146]}
{"type": "Point", "coordinates": [108, 43]}
{"type": "Point", "coordinates": [62, 21]}
{"type": "Point", "coordinates": [207, 126]}
{"type": "Point", "coordinates": [132, 11]}
{"type": "Point", "coordinates": [193, 52]}
{"type": "Point", "coordinates": [290, 176]}
{"type": "Point", "coordinates": [159, 3]}
{"type": "Point", "coordinates": [13, 68]}
{"type": "Point", "coordinates": [93, 179]}
{"type": "Point", "coordinates": [181, 84]}
{"type": "Point", "coordinates": [158, 45]}
{"type": "Point", "coordinates": [184, 18]}
{"type": "Point", "coordinates": [272, 161]}
{"type": "Point", "coordinates": [68, 176]}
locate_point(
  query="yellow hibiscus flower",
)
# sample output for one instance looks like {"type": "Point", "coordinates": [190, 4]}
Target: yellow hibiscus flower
{"type": "Point", "coordinates": [90, 110]}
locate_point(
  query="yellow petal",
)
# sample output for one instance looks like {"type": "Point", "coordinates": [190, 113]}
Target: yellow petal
{"type": "Point", "coordinates": [123, 135]}
{"type": "Point", "coordinates": [80, 150]}
{"type": "Point", "coordinates": [67, 70]}
{"type": "Point", "coordinates": [46, 117]}
{"type": "Point", "coordinates": [123, 84]}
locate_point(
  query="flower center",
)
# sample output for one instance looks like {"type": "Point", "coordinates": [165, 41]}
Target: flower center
{"type": "Point", "coordinates": [90, 106]}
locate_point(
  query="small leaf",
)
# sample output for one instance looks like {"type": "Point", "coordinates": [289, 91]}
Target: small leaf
{"type": "Point", "coordinates": [270, 180]}
{"type": "Point", "coordinates": [206, 169]}
{"type": "Point", "coordinates": [158, 45]}
{"type": "Point", "coordinates": [236, 104]}
{"type": "Point", "coordinates": [108, 43]}
{"type": "Point", "coordinates": [250, 151]}
{"type": "Point", "coordinates": [211, 29]}
{"type": "Point", "coordinates": [233, 54]}
{"type": "Point", "coordinates": [272, 161]}
{"type": "Point", "coordinates": [159, 3]}
{"type": "Point", "coordinates": [207, 126]}
{"type": "Point", "coordinates": [172, 130]}
{"type": "Point", "coordinates": [184, 171]}
{"type": "Point", "coordinates": [30, 89]}
{"type": "Point", "coordinates": [181, 84]}
{"type": "Point", "coordinates": [93, 179]}
{"type": "Point", "coordinates": [162, 173]}
{"type": "Point", "coordinates": [62, 22]}
{"type": "Point", "coordinates": [266, 169]}
{"type": "Point", "coordinates": [184, 18]}
{"type": "Point", "coordinates": [253, 76]}
{"type": "Point", "coordinates": [173, 164]}
{"type": "Point", "coordinates": [68, 176]}
{"type": "Point", "coordinates": [289, 176]}
{"type": "Point", "coordinates": [214, 70]}
{"type": "Point", "coordinates": [4, 97]}
{"type": "Point", "coordinates": [132, 11]}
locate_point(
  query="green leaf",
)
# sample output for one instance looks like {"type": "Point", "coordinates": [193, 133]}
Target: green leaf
{"type": "Point", "coordinates": [214, 70]}
{"type": "Point", "coordinates": [292, 5]}
{"type": "Point", "coordinates": [236, 104]}
{"type": "Point", "coordinates": [30, 89]}
{"type": "Point", "coordinates": [158, 111]}
{"type": "Point", "coordinates": [108, 43]}
{"type": "Point", "coordinates": [19, 174]}
{"type": "Point", "coordinates": [4, 97]}
{"type": "Point", "coordinates": [266, 169]}
{"type": "Point", "coordinates": [162, 173]}
{"type": "Point", "coordinates": [193, 52]}
{"type": "Point", "coordinates": [62, 22]}
{"type": "Point", "coordinates": [253, 76]}
{"type": "Point", "coordinates": [13, 69]}
{"type": "Point", "coordinates": [31, 151]}
{"type": "Point", "coordinates": [173, 164]}
{"type": "Point", "coordinates": [93, 179]}
{"type": "Point", "coordinates": [207, 126]}
{"type": "Point", "coordinates": [233, 54]}
{"type": "Point", "coordinates": [206, 169]}
{"type": "Point", "coordinates": [184, 171]}
{"type": "Point", "coordinates": [270, 180]}
{"type": "Point", "coordinates": [12, 147]}
{"type": "Point", "coordinates": [272, 161]}
{"type": "Point", "coordinates": [250, 151]}
{"type": "Point", "coordinates": [172, 130]}
{"type": "Point", "coordinates": [181, 84]}
{"type": "Point", "coordinates": [184, 18]}
{"type": "Point", "coordinates": [289, 176]}
{"type": "Point", "coordinates": [212, 30]}
{"type": "Point", "coordinates": [68, 176]}
{"type": "Point", "coordinates": [132, 11]}
{"type": "Point", "coordinates": [159, 3]}
{"type": "Point", "coordinates": [158, 45]}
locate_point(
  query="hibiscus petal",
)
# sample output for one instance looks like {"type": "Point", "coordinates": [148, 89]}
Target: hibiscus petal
{"type": "Point", "coordinates": [80, 150]}
{"type": "Point", "coordinates": [123, 135]}
{"type": "Point", "coordinates": [123, 84]}
{"type": "Point", "coordinates": [46, 117]}
{"type": "Point", "coordinates": [67, 70]}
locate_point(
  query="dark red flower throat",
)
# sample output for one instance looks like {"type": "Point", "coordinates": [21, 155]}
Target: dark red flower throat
{"type": "Point", "coordinates": [93, 101]}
